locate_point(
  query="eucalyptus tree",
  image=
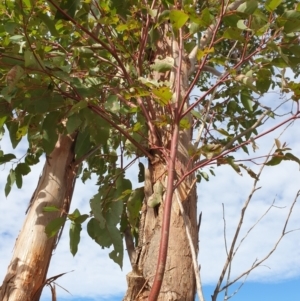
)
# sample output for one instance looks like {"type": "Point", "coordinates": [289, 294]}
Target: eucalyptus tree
{"type": "Point", "coordinates": [93, 82]}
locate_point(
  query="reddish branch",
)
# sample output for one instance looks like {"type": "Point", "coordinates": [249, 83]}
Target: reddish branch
{"type": "Point", "coordinates": [205, 162]}
{"type": "Point", "coordinates": [163, 247]}
{"type": "Point", "coordinates": [165, 230]}
{"type": "Point", "coordinates": [96, 39]}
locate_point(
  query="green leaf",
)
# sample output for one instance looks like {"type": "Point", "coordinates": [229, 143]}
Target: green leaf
{"type": "Point", "coordinates": [73, 123]}
{"type": "Point", "coordinates": [271, 5]}
{"type": "Point", "coordinates": [106, 237]}
{"type": "Point", "coordinates": [202, 52]}
{"type": "Point", "coordinates": [49, 23]}
{"type": "Point", "coordinates": [96, 232]}
{"type": "Point", "coordinates": [178, 18]}
{"type": "Point", "coordinates": [290, 20]}
{"type": "Point", "coordinates": [163, 65]}
{"type": "Point", "coordinates": [134, 205]}
{"type": "Point", "coordinates": [204, 175]}
{"type": "Point", "coordinates": [74, 215]}
{"type": "Point", "coordinates": [211, 150]}
{"type": "Point", "coordinates": [96, 206]}
{"type": "Point", "coordinates": [185, 123]}
{"type": "Point", "coordinates": [31, 59]}
{"type": "Point", "coordinates": [291, 157]}
{"type": "Point", "coordinates": [246, 100]}
{"type": "Point", "coordinates": [83, 143]}
{"type": "Point", "coordinates": [112, 104]}
{"type": "Point", "coordinates": [13, 128]}
{"type": "Point", "coordinates": [121, 7]}
{"type": "Point", "coordinates": [81, 219]}
{"type": "Point", "coordinates": [96, 125]}
{"type": "Point", "coordinates": [2, 118]}
{"type": "Point", "coordinates": [196, 114]}
{"type": "Point", "coordinates": [16, 38]}
{"type": "Point", "coordinates": [230, 161]}
{"type": "Point", "coordinates": [69, 7]}
{"type": "Point", "coordinates": [163, 95]}
{"type": "Point", "coordinates": [53, 227]}
{"type": "Point", "coordinates": [45, 101]}
{"type": "Point", "coordinates": [205, 19]}
{"type": "Point", "coordinates": [23, 169]}
{"type": "Point", "coordinates": [13, 76]}
{"type": "Point", "coordinates": [51, 209]}
{"type": "Point", "coordinates": [248, 7]}
{"type": "Point", "coordinates": [118, 253]}
{"type": "Point", "coordinates": [241, 25]}
{"type": "Point", "coordinates": [114, 212]}
{"type": "Point", "coordinates": [50, 134]}
{"type": "Point", "coordinates": [78, 106]}
{"type": "Point", "coordinates": [123, 188]}
{"type": "Point", "coordinates": [156, 198]}
{"type": "Point", "coordinates": [232, 107]}
{"type": "Point", "coordinates": [21, 132]}
{"type": "Point", "coordinates": [141, 174]}
{"type": "Point", "coordinates": [7, 188]}
{"type": "Point", "coordinates": [6, 158]}
{"type": "Point", "coordinates": [250, 172]}
{"type": "Point", "coordinates": [276, 159]}
{"type": "Point", "coordinates": [74, 234]}
{"type": "Point", "coordinates": [27, 3]}
{"type": "Point", "coordinates": [194, 28]}
{"type": "Point", "coordinates": [32, 159]}
{"type": "Point", "coordinates": [223, 132]}
{"type": "Point", "coordinates": [233, 33]}
{"type": "Point", "coordinates": [86, 174]}
{"type": "Point", "coordinates": [11, 178]}
{"type": "Point", "coordinates": [263, 80]}
{"type": "Point", "coordinates": [19, 180]}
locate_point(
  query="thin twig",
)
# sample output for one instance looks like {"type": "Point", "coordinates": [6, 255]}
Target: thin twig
{"type": "Point", "coordinates": [284, 232]}
{"type": "Point", "coordinates": [224, 220]}
{"type": "Point", "coordinates": [212, 97]}
{"type": "Point", "coordinates": [240, 286]}
{"type": "Point", "coordinates": [256, 223]}
{"type": "Point", "coordinates": [226, 248]}
{"type": "Point", "coordinates": [230, 253]}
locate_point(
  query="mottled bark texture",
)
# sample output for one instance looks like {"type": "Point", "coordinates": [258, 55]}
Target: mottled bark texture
{"type": "Point", "coordinates": [28, 268]}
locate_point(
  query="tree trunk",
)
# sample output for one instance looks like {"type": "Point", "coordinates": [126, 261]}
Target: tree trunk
{"type": "Point", "coordinates": [179, 280]}
{"type": "Point", "coordinates": [28, 268]}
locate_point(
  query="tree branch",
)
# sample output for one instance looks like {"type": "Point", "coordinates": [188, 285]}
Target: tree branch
{"type": "Point", "coordinates": [230, 253]}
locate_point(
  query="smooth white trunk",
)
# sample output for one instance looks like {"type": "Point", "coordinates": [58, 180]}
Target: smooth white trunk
{"type": "Point", "coordinates": [28, 268]}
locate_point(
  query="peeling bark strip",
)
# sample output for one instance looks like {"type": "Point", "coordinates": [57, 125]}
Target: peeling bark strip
{"type": "Point", "coordinates": [27, 271]}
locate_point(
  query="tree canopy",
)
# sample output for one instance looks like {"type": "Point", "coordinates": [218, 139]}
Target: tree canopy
{"type": "Point", "coordinates": [99, 69]}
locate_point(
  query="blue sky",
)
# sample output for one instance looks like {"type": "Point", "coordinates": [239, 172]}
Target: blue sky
{"type": "Point", "coordinates": [281, 291]}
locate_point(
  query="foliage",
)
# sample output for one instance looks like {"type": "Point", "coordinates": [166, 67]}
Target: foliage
{"type": "Point", "coordinates": [86, 66]}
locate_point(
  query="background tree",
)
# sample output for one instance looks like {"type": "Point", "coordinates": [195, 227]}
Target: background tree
{"type": "Point", "coordinates": [119, 77]}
